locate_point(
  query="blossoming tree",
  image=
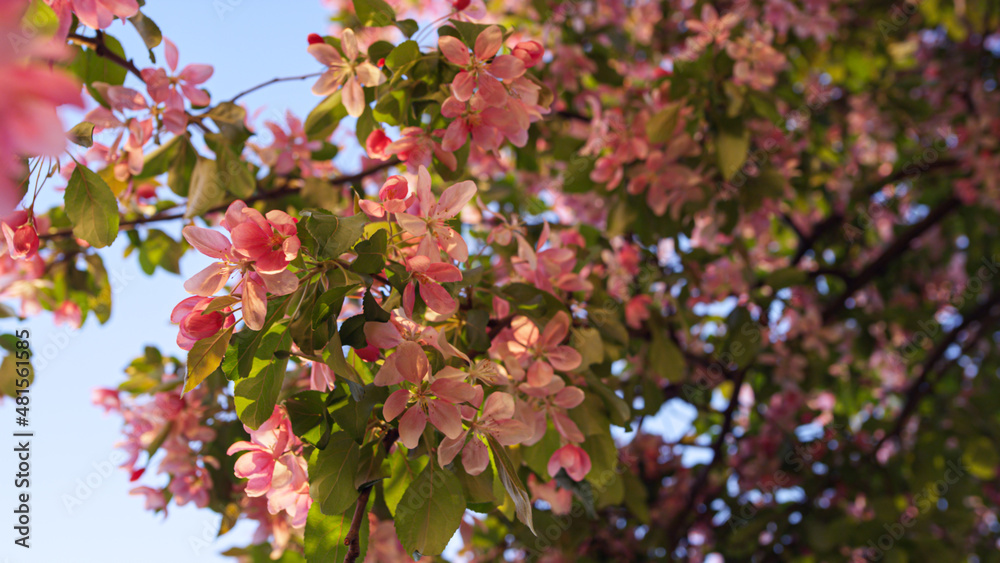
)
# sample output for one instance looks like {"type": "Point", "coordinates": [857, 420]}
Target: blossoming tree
{"type": "Point", "coordinates": [779, 215]}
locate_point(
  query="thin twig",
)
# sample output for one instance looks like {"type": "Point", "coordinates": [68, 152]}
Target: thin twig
{"type": "Point", "coordinates": [272, 81]}
{"type": "Point", "coordinates": [264, 196]}
{"type": "Point", "coordinates": [100, 49]}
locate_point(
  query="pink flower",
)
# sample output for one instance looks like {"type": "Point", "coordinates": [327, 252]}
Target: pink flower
{"type": "Point", "coordinates": [544, 350]}
{"type": "Point", "coordinates": [474, 118]}
{"type": "Point", "coordinates": [96, 14]}
{"type": "Point", "coordinates": [425, 398]}
{"type": "Point", "coordinates": [478, 75]}
{"type": "Point", "coordinates": [559, 500]}
{"type": "Point", "coordinates": [394, 197]}
{"type": "Point", "coordinates": [376, 144]}
{"type": "Point", "coordinates": [260, 251]}
{"type": "Point", "coordinates": [429, 224]}
{"type": "Point", "coordinates": [274, 467]}
{"type": "Point", "coordinates": [416, 147]}
{"type": "Point", "coordinates": [554, 399]}
{"type": "Point", "coordinates": [155, 499]}
{"type": "Point", "coordinates": [384, 336]}
{"type": "Point", "coordinates": [195, 324]}
{"type": "Point", "coordinates": [291, 149]}
{"type": "Point", "coordinates": [164, 88]}
{"type": "Point", "coordinates": [529, 52]}
{"type": "Point", "coordinates": [22, 242]}
{"type": "Point", "coordinates": [430, 275]}
{"type": "Point", "coordinates": [68, 314]}
{"type": "Point", "coordinates": [106, 398]}
{"type": "Point", "coordinates": [321, 377]}
{"type": "Point", "coordinates": [346, 71]}
{"type": "Point", "coordinates": [497, 420]}
{"type": "Point", "coordinates": [637, 310]}
{"type": "Point", "coordinates": [571, 458]}
{"type": "Point", "coordinates": [711, 28]}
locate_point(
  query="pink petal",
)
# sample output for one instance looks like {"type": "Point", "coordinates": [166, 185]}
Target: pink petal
{"type": "Point", "coordinates": [209, 281]}
{"type": "Point", "coordinates": [488, 42]}
{"type": "Point", "coordinates": [210, 243]}
{"type": "Point", "coordinates": [475, 457]}
{"type": "Point", "coordinates": [254, 304]}
{"type": "Point", "coordinates": [540, 374]}
{"type": "Point", "coordinates": [354, 97]}
{"type": "Point", "coordinates": [507, 67]}
{"type": "Point", "coordinates": [411, 426]}
{"type": "Point", "coordinates": [395, 404]}
{"type": "Point", "coordinates": [438, 299]}
{"type": "Point", "coordinates": [449, 448]}
{"type": "Point", "coordinates": [170, 53]}
{"type": "Point", "coordinates": [463, 86]}
{"type": "Point", "coordinates": [445, 417]}
{"type": "Point", "coordinates": [325, 54]}
{"type": "Point", "coordinates": [454, 50]}
{"type": "Point", "coordinates": [411, 361]}
{"type": "Point", "coordinates": [564, 358]}
{"type": "Point", "coordinates": [454, 199]}
{"type": "Point", "coordinates": [568, 398]}
{"type": "Point", "coordinates": [196, 74]}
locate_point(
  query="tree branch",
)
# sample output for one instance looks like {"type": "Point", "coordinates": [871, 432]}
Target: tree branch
{"type": "Point", "coordinates": [100, 49]}
{"type": "Point", "coordinates": [893, 251]}
{"type": "Point", "coordinates": [918, 389]}
{"type": "Point", "coordinates": [353, 538]}
{"type": "Point", "coordinates": [272, 81]}
{"type": "Point", "coordinates": [263, 196]}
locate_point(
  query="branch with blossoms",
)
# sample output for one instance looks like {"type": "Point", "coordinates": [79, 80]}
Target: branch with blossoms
{"type": "Point", "coordinates": [569, 217]}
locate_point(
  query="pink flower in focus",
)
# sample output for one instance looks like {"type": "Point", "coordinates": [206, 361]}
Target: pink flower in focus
{"type": "Point", "coordinates": [479, 75]}
{"type": "Point", "coordinates": [475, 118]}
{"type": "Point", "coordinates": [429, 224]}
{"type": "Point", "coordinates": [497, 420]}
{"type": "Point", "coordinates": [430, 275]}
{"type": "Point", "coordinates": [543, 349]}
{"type": "Point", "coordinates": [425, 398]}
{"type": "Point", "coordinates": [195, 324]}
{"type": "Point", "coordinates": [274, 467]}
{"type": "Point", "coordinates": [346, 71]}
{"type": "Point", "coordinates": [394, 197]}
{"type": "Point", "coordinates": [571, 458]}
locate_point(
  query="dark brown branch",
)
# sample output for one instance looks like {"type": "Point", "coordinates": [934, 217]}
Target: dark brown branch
{"type": "Point", "coordinates": [272, 81]}
{"type": "Point", "coordinates": [353, 538]}
{"type": "Point", "coordinates": [673, 532]}
{"type": "Point", "coordinates": [263, 196]}
{"type": "Point", "coordinates": [97, 45]}
{"type": "Point", "coordinates": [892, 252]}
{"type": "Point", "coordinates": [921, 386]}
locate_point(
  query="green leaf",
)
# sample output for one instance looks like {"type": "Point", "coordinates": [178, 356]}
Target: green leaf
{"type": "Point", "coordinates": [158, 160]}
{"type": "Point", "coordinates": [512, 483]}
{"type": "Point", "coordinates": [239, 360]}
{"type": "Point", "coordinates": [148, 30]}
{"type": "Point", "coordinates": [404, 53]}
{"type": "Point", "coordinates": [429, 512]}
{"type": "Point", "coordinates": [91, 207]}
{"type": "Point", "coordinates": [205, 357]}
{"type": "Point", "coordinates": [371, 253]}
{"type": "Point", "coordinates": [665, 359]}
{"type": "Point", "coordinates": [307, 412]}
{"type": "Point", "coordinates": [90, 67]}
{"type": "Point", "coordinates": [334, 235]}
{"type": "Point", "coordinates": [331, 474]}
{"type": "Point", "coordinates": [181, 171]}
{"type": "Point", "coordinates": [100, 298]}
{"type": "Point", "coordinates": [159, 250]}
{"type": "Point", "coordinates": [325, 117]}
{"type": "Point", "coordinates": [661, 126]}
{"type": "Point", "coordinates": [325, 536]}
{"type": "Point", "coordinates": [207, 190]}
{"type": "Point", "coordinates": [374, 13]}
{"type": "Point", "coordinates": [257, 394]}
{"type": "Point", "coordinates": [82, 134]}
{"type": "Point", "coordinates": [234, 172]}
{"type": "Point", "coordinates": [732, 144]}
{"type": "Point", "coordinates": [352, 332]}
{"type": "Point", "coordinates": [402, 472]}
{"type": "Point", "coordinates": [352, 416]}
{"type": "Point", "coordinates": [333, 355]}
{"type": "Point", "coordinates": [373, 312]}
{"type": "Point", "coordinates": [408, 27]}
